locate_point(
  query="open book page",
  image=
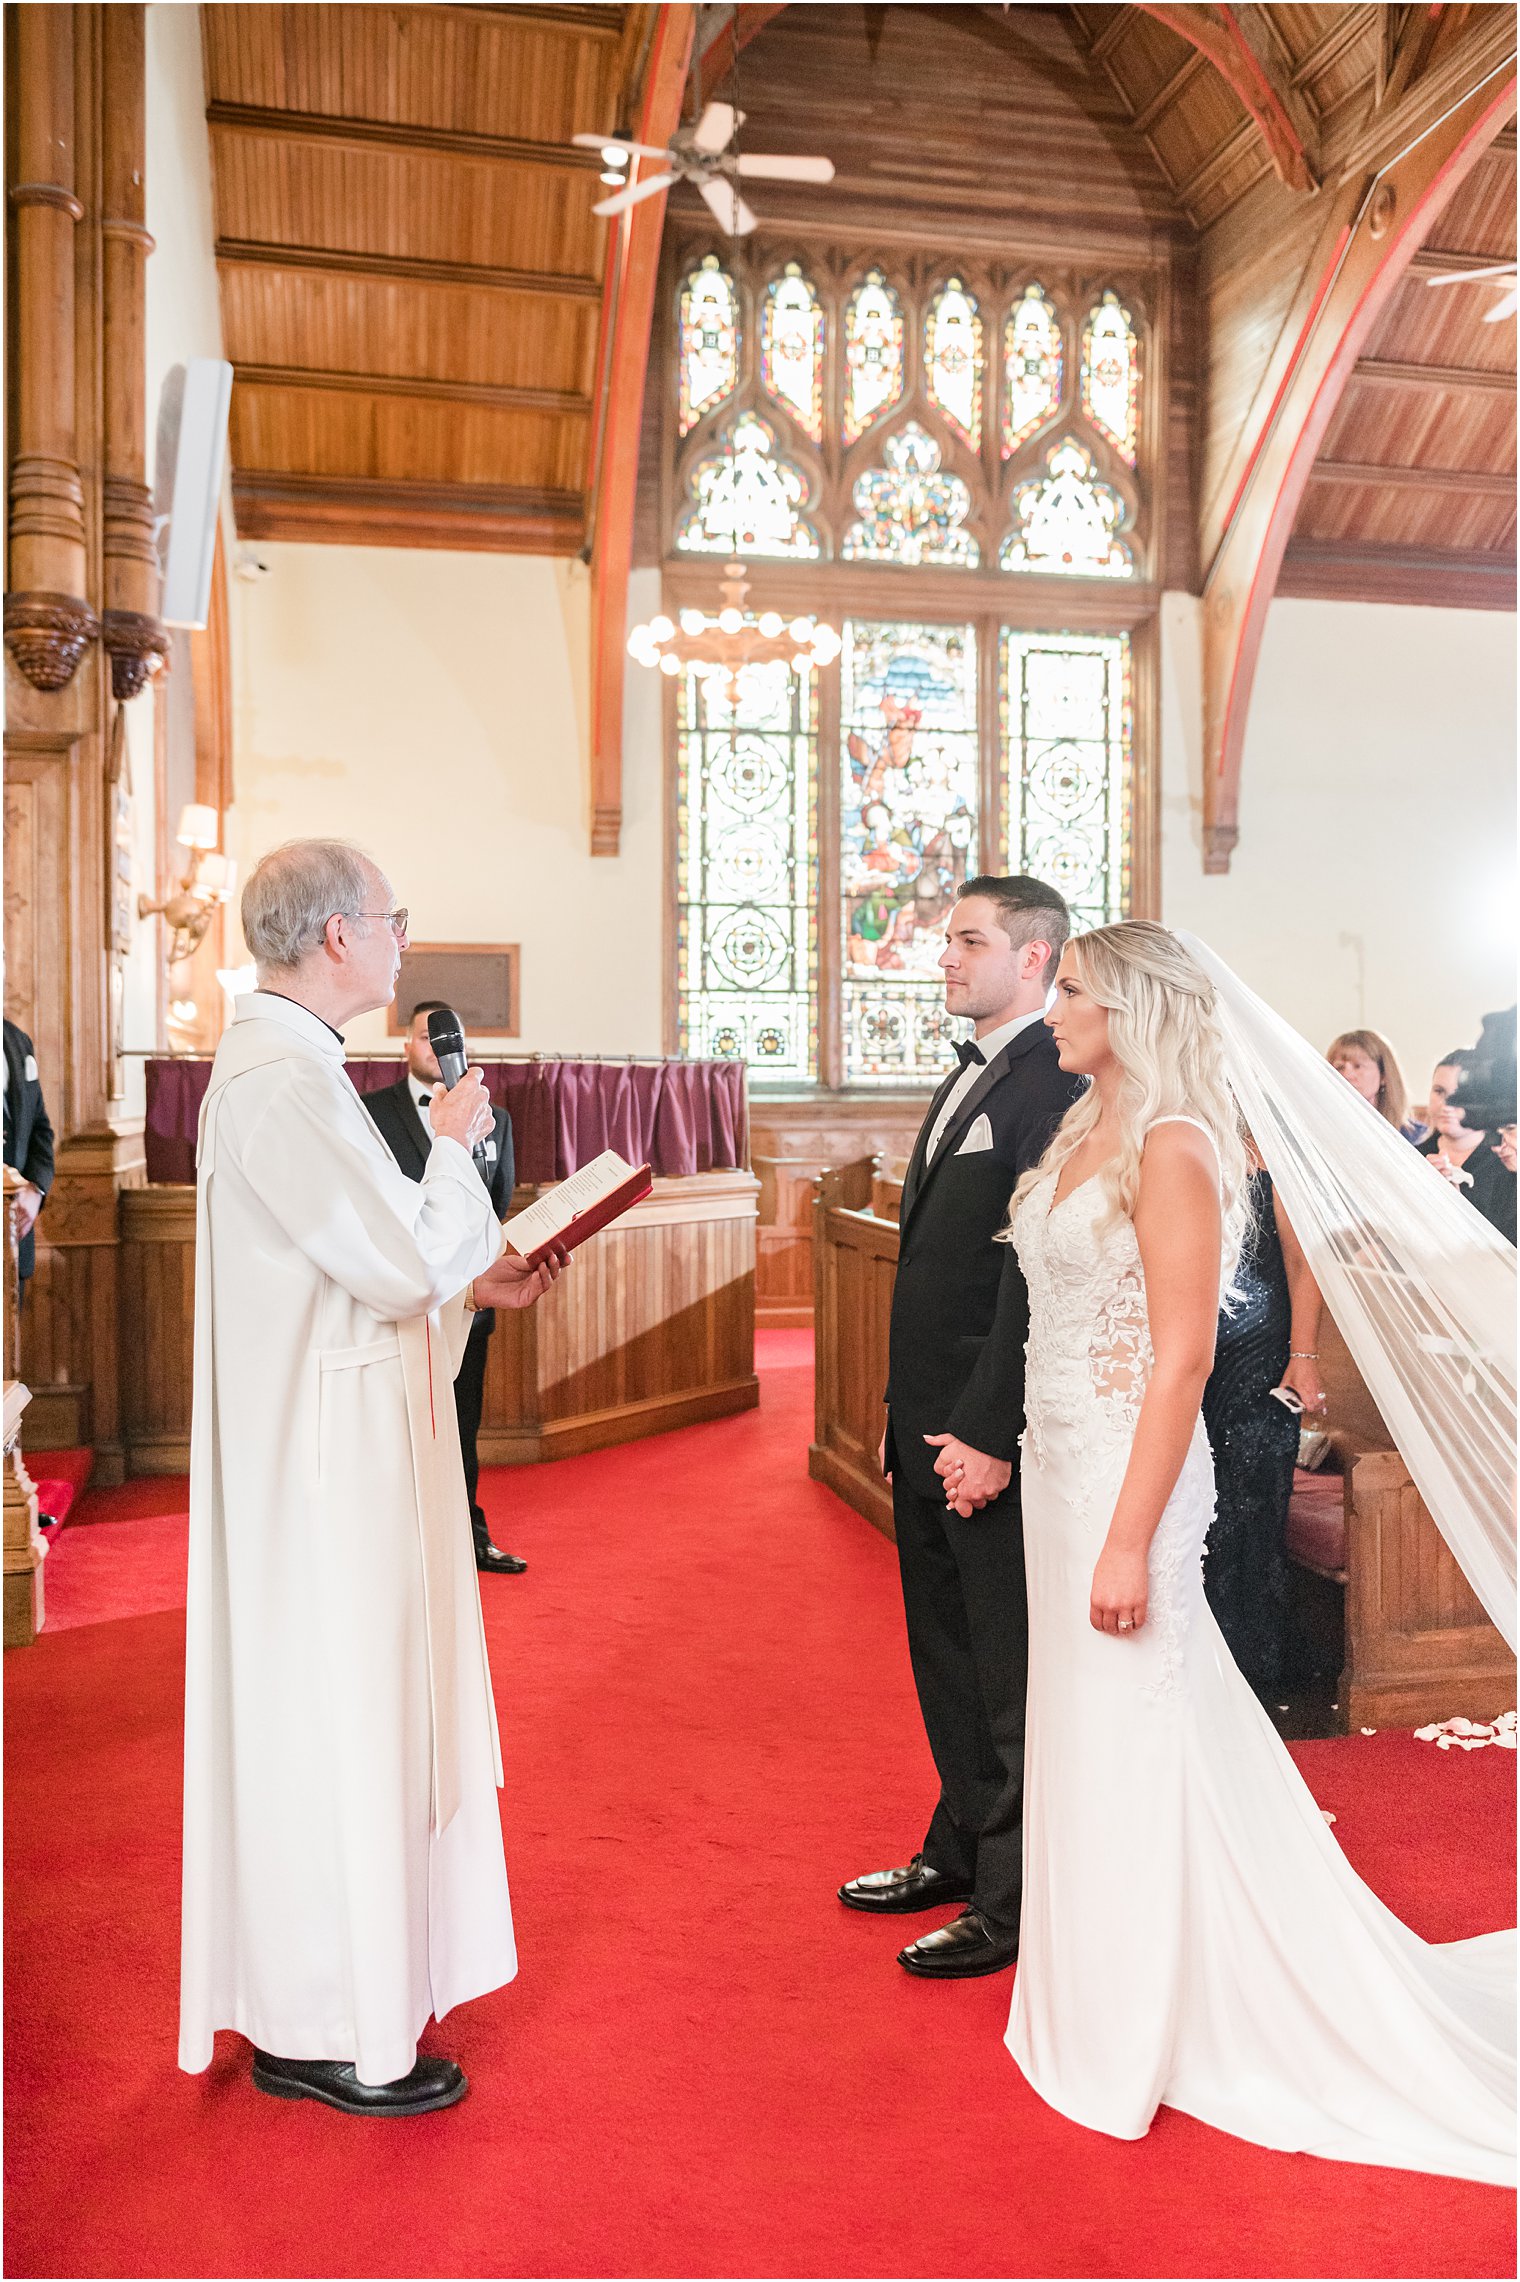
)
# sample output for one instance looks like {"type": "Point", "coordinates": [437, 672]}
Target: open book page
{"type": "Point", "coordinates": [550, 1217]}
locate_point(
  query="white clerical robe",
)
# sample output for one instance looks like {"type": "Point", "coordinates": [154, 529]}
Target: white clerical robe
{"type": "Point", "coordinates": [343, 1871]}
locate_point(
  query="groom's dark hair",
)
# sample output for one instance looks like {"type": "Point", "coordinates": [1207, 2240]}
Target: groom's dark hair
{"type": "Point", "coordinates": [1027, 909]}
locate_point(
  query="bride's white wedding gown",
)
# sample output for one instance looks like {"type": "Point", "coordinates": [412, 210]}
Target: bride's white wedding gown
{"type": "Point", "coordinates": [1192, 1934]}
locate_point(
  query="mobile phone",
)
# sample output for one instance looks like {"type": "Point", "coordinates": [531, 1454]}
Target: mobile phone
{"type": "Point", "coordinates": [1289, 1400]}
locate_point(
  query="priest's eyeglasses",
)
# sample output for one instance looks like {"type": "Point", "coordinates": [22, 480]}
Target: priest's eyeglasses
{"type": "Point", "coordinates": [395, 920]}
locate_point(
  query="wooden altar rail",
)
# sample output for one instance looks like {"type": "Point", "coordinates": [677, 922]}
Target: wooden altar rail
{"type": "Point", "coordinates": [1418, 1646]}
{"type": "Point", "coordinates": [651, 1327]}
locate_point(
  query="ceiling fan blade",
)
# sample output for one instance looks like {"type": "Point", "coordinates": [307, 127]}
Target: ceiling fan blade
{"type": "Point", "coordinates": [621, 200]}
{"type": "Point", "coordinates": [734, 216]}
{"type": "Point", "coordinates": [714, 128]}
{"type": "Point", "coordinates": [618, 142]}
{"type": "Point", "coordinates": [1504, 308]}
{"type": "Point", "coordinates": [761, 169]}
{"type": "Point", "coordinates": [1473, 276]}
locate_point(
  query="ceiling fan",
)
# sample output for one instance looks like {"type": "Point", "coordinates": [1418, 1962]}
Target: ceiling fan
{"type": "Point", "coordinates": [1508, 301]}
{"type": "Point", "coordinates": [701, 154]}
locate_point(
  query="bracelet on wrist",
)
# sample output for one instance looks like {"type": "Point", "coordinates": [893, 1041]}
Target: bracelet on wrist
{"type": "Point", "coordinates": [1303, 1354]}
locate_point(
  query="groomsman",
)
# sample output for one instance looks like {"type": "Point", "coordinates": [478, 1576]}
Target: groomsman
{"type": "Point", "coordinates": [28, 1143]}
{"type": "Point", "coordinates": [955, 1410]}
{"type": "Point", "coordinates": [401, 1112]}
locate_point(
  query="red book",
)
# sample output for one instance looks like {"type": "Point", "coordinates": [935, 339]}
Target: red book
{"type": "Point", "coordinates": [600, 1192]}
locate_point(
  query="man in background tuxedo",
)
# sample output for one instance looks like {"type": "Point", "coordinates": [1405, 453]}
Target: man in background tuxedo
{"type": "Point", "coordinates": [401, 1112]}
{"type": "Point", "coordinates": [955, 1410]}
{"type": "Point", "coordinates": [28, 1143]}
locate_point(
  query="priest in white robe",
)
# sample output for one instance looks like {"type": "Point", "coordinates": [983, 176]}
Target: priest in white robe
{"type": "Point", "coordinates": [343, 1869]}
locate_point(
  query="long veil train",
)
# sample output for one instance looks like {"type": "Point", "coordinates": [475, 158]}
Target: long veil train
{"type": "Point", "coordinates": [1422, 1288]}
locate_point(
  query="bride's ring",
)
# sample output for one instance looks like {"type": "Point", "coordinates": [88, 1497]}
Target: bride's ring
{"type": "Point", "coordinates": [1125, 1624]}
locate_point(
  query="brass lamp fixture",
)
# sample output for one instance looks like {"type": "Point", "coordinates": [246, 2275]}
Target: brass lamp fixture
{"type": "Point", "coordinates": [723, 646]}
{"type": "Point", "coordinates": [207, 883]}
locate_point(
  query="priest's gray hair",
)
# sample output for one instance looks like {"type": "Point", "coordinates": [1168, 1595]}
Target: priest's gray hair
{"type": "Point", "coordinates": [293, 892]}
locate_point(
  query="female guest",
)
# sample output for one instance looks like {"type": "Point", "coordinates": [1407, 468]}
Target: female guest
{"type": "Point", "coordinates": [1268, 1339]}
{"type": "Point", "coordinates": [1369, 1064]}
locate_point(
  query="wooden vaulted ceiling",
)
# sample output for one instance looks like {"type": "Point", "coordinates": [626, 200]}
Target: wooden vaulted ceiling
{"type": "Point", "coordinates": [411, 275]}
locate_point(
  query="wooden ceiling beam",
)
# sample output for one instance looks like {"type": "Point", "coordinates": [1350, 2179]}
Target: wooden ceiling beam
{"type": "Point", "coordinates": [1430, 261]}
{"type": "Point", "coordinates": [494, 395]}
{"type": "Point", "coordinates": [386, 134]}
{"type": "Point", "coordinates": [1343, 33]}
{"type": "Point", "coordinates": [729, 40]}
{"type": "Point", "coordinates": [250, 253]}
{"type": "Point", "coordinates": [349, 510]}
{"type": "Point", "coordinates": [1241, 56]}
{"type": "Point", "coordinates": [627, 316]}
{"type": "Point", "coordinates": [1328, 570]}
{"type": "Point", "coordinates": [1460, 378]}
{"type": "Point", "coordinates": [1473, 483]}
{"type": "Point", "coordinates": [1169, 91]}
{"type": "Point", "coordinates": [1371, 230]}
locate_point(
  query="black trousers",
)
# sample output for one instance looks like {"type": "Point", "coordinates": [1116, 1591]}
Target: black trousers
{"type": "Point", "coordinates": [469, 1395]}
{"type": "Point", "coordinates": [968, 1636]}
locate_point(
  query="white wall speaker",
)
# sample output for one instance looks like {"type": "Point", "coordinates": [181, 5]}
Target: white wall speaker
{"type": "Point", "coordinates": [190, 456]}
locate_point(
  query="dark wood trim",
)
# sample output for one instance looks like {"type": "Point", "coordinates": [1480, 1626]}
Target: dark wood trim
{"type": "Point", "coordinates": [1272, 103]}
{"type": "Point", "coordinates": [1430, 261]}
{"type": "Point", "coordinates": [1325, 571]}
{"type": "Point", "coordinates": [1465, 379]}
{"type": "Point", "coordinates": [489, 393]}
{"type": "Point", "coordinates": [1475, 483]}
{"type": "Point", "coordinates": [883, 590]}
{"type": "Point", "coordinates": [251, 253]}
{"type": "Point", "coordinates": [360, 511]}
{"type": "Point", "coordinates": [1169, 90]}
{"type": "Point", "coordinates": [576, 21]}
{"type": "Point", "coordinates": [732, 36]}
{"type": "Point", "coordinates": [386, 134]}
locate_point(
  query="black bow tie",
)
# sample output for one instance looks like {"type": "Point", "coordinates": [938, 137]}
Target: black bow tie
{"type": "Point", "coordinates": [968, 1052]}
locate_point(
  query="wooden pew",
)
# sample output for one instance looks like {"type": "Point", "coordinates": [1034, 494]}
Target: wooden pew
{"type": "Point", "coordinates": [1418, 1646]}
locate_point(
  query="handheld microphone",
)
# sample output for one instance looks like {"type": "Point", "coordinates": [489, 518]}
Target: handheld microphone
{"type": "Point", "coordinates": [446, 1037]}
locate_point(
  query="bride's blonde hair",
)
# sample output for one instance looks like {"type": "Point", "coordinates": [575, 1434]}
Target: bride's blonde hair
{"type": "Point", "coordinates": [1165, 1036]}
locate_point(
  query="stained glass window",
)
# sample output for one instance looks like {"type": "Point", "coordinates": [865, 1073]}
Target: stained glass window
{"type": "Point", "coordinates": [1066, 767]}
{"type": "Point", "coordinates": [953, 359]}
{"type": "Point", "coordinates": [708, 340]}
{"type": "Point", "coordinates": [1032, 360]}
{"type": "Point", "coordinates": [746, 501]}
{"type": "Point", "coordinates": [791, 349]}
{"type": "Point", "coordinates": [746, 863]}
{"type": "Point", "coordinates": [1111, 376]}
{"type": "Point", "coordinates": [873, 353]}
{"type": "Point", "coordinates": [911, 511]}
{"type": "Point", "coordinates": [908, 839]}
{"type": "Point", "coordinates": [1067, 521]}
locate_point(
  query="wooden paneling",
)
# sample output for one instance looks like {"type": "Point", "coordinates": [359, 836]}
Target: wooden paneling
{"type": "Point", "coordinates": [792, 1142]}
{"type": "Point", "coordinates": [856, 1264]}
{"type": "Point", "coordinates": [651, 1327]}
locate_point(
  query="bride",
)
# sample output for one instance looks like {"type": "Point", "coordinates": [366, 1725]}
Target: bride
{"type": "Point", "coordinates": [1192, 1934]}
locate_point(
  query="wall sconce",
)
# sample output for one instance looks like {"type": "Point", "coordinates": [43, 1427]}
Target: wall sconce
{"type": "Point", "coordinates": [208, 882]}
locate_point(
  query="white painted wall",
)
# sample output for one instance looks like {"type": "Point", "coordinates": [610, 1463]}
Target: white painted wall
{"type": "Point", "coordinates": [1374, 881]}
{"type": "Point", "coordinates": [433, 707]}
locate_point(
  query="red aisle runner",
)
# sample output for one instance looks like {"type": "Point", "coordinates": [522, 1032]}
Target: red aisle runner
{"type": "Point", "coordinates": [706, 2067]}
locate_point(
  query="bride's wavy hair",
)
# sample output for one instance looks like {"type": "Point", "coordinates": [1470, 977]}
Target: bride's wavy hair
{"type": "Point", "coordinates": [1166, 1038]}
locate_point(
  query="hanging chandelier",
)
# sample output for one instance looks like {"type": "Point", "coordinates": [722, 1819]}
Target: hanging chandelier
{"type": "Point", "coordinates": [721, 647]}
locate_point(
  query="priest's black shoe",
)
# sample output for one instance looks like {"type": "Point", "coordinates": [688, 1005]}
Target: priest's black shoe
{"type": "Point", "coordinates": [492, 1562]}
{"type": "Point", "coordinates": [431, 2084]}
{"type": "Point", "coordinates": [967, 1946]}
{"type": "Point", "coordinates": [916, 1887]}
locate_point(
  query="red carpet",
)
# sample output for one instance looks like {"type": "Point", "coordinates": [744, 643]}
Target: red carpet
{"type": "Point", "coordinates": [706, 2067]}
{"type": "Point", "coordinates": [59, 1477]}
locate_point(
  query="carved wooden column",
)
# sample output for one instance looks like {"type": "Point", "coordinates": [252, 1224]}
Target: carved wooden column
{"type": "Point", "coordinates": [129, 627]}
{"type": "Point", "coordinates": [48, 622]}
{"type": "Point", "coordinates": [23, 1549]}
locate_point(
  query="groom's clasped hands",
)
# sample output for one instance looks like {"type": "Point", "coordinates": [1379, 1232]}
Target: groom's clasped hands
{"type": "Point", "coordinates": [971, 1478]}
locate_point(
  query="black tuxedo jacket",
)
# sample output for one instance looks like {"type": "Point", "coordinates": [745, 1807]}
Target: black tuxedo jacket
{"type": "Point", "coordinates": [28, 1131]}
{"type": "Point", "coordinates": [396, 1114]}
{"type": "Point", "coordinates": [960, 1308]}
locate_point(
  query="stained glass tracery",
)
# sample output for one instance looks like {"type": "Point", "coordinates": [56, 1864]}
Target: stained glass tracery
{"type": "Point", "coordinates": [1032, 362]}
{"type": "Point", "coordinates": [953, 360]}
{"type": "Point", "coordinates": [791, 349]}
{"type": "Point", "coordinates": [746, 865]}
{"type": "Point", "coordinates": [746, 501]}
{"type": "Point", "coordinates": [1067, 736]}
{"type": "Point", "coordinates": [908, 838]}
{"type": "Point", "coordinates": [911, 510]}
{"type": "Point", "coordinates": [707, 340]}
{"type": "Point", "coordinates": [873, 353]}
{"type": "Point", "coordinates": [1111, 376]}
{"type": "Point", "coordinates": [1067, 520]}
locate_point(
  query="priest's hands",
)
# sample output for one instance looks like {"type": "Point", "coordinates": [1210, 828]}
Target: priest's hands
{"type": "Point", "coordinates": [463, 1113]}
{"type": "Point", "coordinates": [512, 1283]}
{"type": "Point", "coordinates": [971, 1478]}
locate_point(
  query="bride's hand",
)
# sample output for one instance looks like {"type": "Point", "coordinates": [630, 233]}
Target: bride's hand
{"type": "Point", "coordinates": [1120, 1586]}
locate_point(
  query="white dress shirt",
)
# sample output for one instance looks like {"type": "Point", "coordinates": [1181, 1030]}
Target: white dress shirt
{"type": "Point", "coordinates": [422, 1098]}
{"type": "Point", "coordinates": [993, 1043]}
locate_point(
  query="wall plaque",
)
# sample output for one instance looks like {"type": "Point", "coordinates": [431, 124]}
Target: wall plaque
{"type": "Point", "coordinates": [479, 980]}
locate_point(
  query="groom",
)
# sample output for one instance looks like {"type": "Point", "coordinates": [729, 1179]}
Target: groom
{"type": "Point", "coordinates": [955, 1409]}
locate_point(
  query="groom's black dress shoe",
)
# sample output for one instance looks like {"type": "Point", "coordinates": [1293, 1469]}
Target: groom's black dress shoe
{"type": "Point", "coordinates": [967, 1946]}
{"type": "Point", "coordinates": [492, 1562]}
{"type": "Point", "coordinates": [431, 2084]}
{"type": "Point", "coordinates": [915, 1888]}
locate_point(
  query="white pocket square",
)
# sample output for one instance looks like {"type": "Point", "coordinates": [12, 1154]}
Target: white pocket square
{"type": "Point", "coordinates": [979, 1137]}
{"type": "Point", "coordinates": [29, 1070]}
